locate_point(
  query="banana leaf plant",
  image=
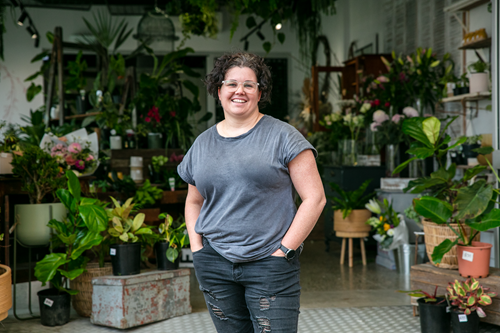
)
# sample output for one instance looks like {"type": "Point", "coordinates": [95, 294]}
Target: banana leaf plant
{"type": "Point", "coordinates": [80, 231]}
{"type": "Point", "coordinates": [350, 200]}
{"type": "Point", "coordinates": [449, 200]}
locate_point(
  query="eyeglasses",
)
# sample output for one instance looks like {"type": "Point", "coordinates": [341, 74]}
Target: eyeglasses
{"type": "Point", "coordinates": [248, 86]}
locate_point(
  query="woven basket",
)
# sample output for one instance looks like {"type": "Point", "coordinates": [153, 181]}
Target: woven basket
{"type": "Point", "coordinates": [435, 234]}
{"type": "Point", "coordinates": [5, 291]}
{"type": "Point", "coordinates": [82, 302]}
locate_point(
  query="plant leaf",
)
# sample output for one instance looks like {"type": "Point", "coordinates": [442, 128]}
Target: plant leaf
{"type": "Point", "coordinates": [73, 185]}
{"type": "Point", "coordinates": [431, 127]}
{"type": "Point", "coordinates": [46, 269]}
{"type": "Point", "coordinates": [138, 220]}
{"type": "Point", "coordinates": [94, 217]}
{"type": "Point", "coordinates": [487, 222]}
{"type": "Point", "coordinates": [442, 249]}
{"type": "Point", "coordinates": [472, 200]}
{"type": "Point", "coordinates": [434, 209]}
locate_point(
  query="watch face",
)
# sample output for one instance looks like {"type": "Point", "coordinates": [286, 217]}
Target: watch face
{"type": "Point", "coordinates": [290, 254]}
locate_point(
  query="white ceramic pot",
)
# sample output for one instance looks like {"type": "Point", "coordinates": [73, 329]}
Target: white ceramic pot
{"type": "Point", "coordinates": [115, 142]}
{"type": "Point", "coordinates": [32, 229]}
{"type": "Point", "coordinates": [479, 82]}
{"type": "Point", "coordinates": [5, 166]}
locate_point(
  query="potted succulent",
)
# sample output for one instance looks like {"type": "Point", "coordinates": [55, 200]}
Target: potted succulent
{"type": "Point", "coordinates": [479, 77]}
{"type": "Point", "coordinates": [454, 204]}
{"type": "Point", "coordinates": [126, 232]}
{"type": "Point", "coordinates": [77, 232]}
{"type": "Point", "coordinates": [432, 309]}
{"type": "Point", "coordinates": [467, 298]}
{"type": "Point", "coordinates": [172, 238]}
{"type": "Point", "coordinates": [40, 176]}
{"type": "Point", "coordinates": [5, 289]}
{"type": "Point", "coordinates": [349, 209]}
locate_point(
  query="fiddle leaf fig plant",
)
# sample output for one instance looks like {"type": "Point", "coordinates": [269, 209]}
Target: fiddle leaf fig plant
{"type": "Point", "coordinates": [177, 237]}
{"type": "Point", "coordinates": [123, 227]}
{"type": "Point", "coordinates": [80, 231]}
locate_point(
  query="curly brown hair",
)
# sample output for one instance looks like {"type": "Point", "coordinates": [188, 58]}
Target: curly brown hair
{"type": "Point", "coordinates": [214, 79]}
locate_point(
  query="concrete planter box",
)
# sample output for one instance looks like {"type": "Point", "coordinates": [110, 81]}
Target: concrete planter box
{"type": "Point", "coordinates": [135, 300]}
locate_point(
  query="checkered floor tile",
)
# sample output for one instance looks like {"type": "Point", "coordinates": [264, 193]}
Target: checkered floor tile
{"type": "Point", "coordinates": [393, 319]}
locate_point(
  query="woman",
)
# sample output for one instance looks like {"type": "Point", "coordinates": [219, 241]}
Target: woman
{"type": "Point", "coordinates": [240, 214]}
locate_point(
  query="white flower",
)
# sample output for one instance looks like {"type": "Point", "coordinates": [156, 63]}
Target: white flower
{"type": "Point", "coordinates": [348, 118]}
{"type": "Point", "coordinates": [380, 116]}
{"type": "Point", "coordinates": [373, 206]}
{"type": "Point", "coordinates": [390, 232]}
{"type": "Point", "coordinates": [358, 120]}
{"type": "Point", "coordinates": [373, 127]}
{"type": "Point", "coordinates": [365, 107]}
{"type": "Point", "coordinates": [336, 116]}
{"type": "Point", "coordinates": [410, 112]}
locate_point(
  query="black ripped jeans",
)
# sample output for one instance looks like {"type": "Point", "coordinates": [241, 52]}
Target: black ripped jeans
{"type": "Point", "coordinates": [259, 296]}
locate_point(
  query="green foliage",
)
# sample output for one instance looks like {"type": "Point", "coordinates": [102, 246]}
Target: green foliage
{"type": "Point", "coordinates": [147, 195]}
{"type": "Point", "coordinates": [39, 172]}
{"type": "Point", "coordinates": [76, 81]}
{"type": "Point", "coordinates": [124, 228]}
{"type": "Point", "coordinates": [158, 162]}
{"type": "Point", "coordinates": [478, 67]}
{"type": "Point", "coordinates": [35, 130]}
{"type": "Point", "coordinates": [350, 200]}
{"type": "Point", "coordinates": [428, 298]}
{"type": "Point", "coordinates": [470, 296]}
{"type": "Point", "coordinates": [474, 139]}
{"type": "Point", "coordinates": [80, 231]}
{"type": "Point", "coordinates": [175, 233]}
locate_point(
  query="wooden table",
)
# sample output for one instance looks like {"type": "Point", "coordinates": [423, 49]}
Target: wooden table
{"type": "Point", "coordinates": [427, 276]}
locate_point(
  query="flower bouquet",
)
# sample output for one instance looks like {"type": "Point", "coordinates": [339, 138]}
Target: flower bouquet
{"type": "Point", "coordinates": [76, 151]}
{"type": "Point", "coordinates": [390, 226]}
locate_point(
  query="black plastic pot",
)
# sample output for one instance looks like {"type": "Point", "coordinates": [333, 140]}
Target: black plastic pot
{"type": "Point", "coordinates": [433, 316]}
{"type": "Point", "coordinates": [467, 150]}
{"type": "Point", "coordinates": [81, 104]}
{"type": "Point", "coordinates": [162, 262]}
{"type": "Point", "coordinates": [55, 307]}
{"type": "Point", "coordinates": [456, 91]}
{"type": "Point", "coordinates": [463, 90]}
{"type": "Point", "coordinates": [126, 258]}
{"type": "Point", "coordinates": [469, 326]}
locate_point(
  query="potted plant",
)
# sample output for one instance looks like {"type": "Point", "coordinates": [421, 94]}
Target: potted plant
{"type": "Point", "coordinates": [467, 298]}
{"type": "Point", "coordinates": [40, 177]}
{"type": "Point", "coordinates": [145, 198]}
{"type": "Point", "coordinates": [77, 232]}
{"type": "Point", "coordinates": [77, 82]}
{"type": "Point", "coordinates": [172, 238]}
{"type": "Point", "coordinates": [5, 289]}
{"type": "Point", "coordinates": [454, 204]}
{"type": "Point", "coordinates": [432, 309]}
{"type": "Point", "coordinates": [125, 231]}
{"type": "Point", "coordinates": [471, 143]}
{"type": "Point", "coordinates": [479, 77]}
{"type": "Point", "coordinates": [390, 226]}
{"type": "Point", "coordinates": [157, 165]}
{"type": "Point", "coordinates": [349, 209]}
{"type": "Point", "coordinates": [462, 85]}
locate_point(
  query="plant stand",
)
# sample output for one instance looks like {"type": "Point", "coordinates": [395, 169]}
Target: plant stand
{"type": "Point", "coordinates": [350, 236]}
{"type": "Point", "coordinates": [130, 301]}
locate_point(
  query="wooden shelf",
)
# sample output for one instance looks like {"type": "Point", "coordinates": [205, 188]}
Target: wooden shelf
{"type": "Point", "coordinates": [468, 97]}
{"type": "Point", "coordinates": [464, 167]}
{"type": "Point", "coordinates": [465, 5]}
{"type": "Point", "coordinates": [78, 116]}
{"type": "Point", "coordinates": [477, 45]}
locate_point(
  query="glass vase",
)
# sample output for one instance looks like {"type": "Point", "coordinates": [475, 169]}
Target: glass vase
{"type": "Point", "coordinates": [416, 168]}
{"type": "Point", "coordinates": [391, 160]}
{"type": "Point", "coordinates": [349, 153]}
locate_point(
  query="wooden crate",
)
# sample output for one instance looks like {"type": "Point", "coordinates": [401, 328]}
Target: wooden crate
{"type": "Point", "coordinates": [427, 276]}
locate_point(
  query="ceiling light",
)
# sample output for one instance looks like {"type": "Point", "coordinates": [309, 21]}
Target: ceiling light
{"type": "Point", "coordinates": [37, 42]}
{"type": "Point", "coordinates": [260, 35]}
{"type": "Point", "coordinates": [32, 32]}
{"type": "Point", "coordinates": [278, 26]}
{"type": "Point", "coordinates": [22, 18]}
{"type": "Point", "coordinates": [246, 45]}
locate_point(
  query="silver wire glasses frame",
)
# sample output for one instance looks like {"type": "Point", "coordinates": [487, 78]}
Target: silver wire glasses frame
{"type": "Point", "coordinates": [248, 86]}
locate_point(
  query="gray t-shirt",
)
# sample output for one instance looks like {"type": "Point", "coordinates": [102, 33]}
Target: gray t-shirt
{"type": "Point", "coordinates": [246, 185]}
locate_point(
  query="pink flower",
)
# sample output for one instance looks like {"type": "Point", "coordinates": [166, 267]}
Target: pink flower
{"type": "Point", "coordinates": [80, 165]}
{"type": "Point", "coordinates": [89, 158]}
{"type": "Point", "coordinates": [376, 102]}
{"type": "Point", "coordinates": [74, 148]}
{"type": "Point", "coordinates": [397, 117]}
{"type": "Point", "coordinates": [147, 119]}
{"type": "Point", "coordinates": [172, 113]}
{"type": "Point", "coordinates": [380, 116]}
{"type": "Point", "coordinates": [410, 112]}
{"type": "Point", "coordinates": [382, 79]}
{"type": "Point", "coordinates": [373, 127]}
{"type": "Point", "coordinates": [387, 104]}
{"type": "Point", "coordinates": [70, 160]}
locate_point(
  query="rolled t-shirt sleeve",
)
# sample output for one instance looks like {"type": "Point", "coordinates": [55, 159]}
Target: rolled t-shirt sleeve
{"type": "Point", "coordinates": [293, 143]}
{"type": "Point", "coordinates": [185, 168]}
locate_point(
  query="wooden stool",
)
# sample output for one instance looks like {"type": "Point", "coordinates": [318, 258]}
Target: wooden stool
{"type": "Point", "coordinates": [351, 235]}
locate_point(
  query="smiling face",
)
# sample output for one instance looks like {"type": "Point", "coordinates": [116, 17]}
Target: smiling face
{"type": "Point", "coordinates": [239, 102]}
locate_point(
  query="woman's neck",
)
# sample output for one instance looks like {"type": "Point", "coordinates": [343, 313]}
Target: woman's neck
{"type": "Point", "coordinates": [232, 127]}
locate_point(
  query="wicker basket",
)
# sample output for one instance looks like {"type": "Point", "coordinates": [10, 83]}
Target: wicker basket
{"type": "Point", "coordinates": [354, 222]}
{"type": "Point", "coordinates": [435, 234]}
{"type": "Point", "coordinates": [5, 291]}
{"type": "Point", "coordinates": [82, 302]}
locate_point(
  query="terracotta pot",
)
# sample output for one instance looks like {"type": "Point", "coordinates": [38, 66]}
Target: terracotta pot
{"type": "Point", "coordinates": [354, 222]}
{"type": "Point", "coordinates": [5, 291]}
{"type": "Point", "coordinates": [474, 261]}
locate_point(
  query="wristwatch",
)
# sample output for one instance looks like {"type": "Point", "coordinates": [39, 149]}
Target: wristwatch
{"type": "Point", "coordinates": [289, 253]}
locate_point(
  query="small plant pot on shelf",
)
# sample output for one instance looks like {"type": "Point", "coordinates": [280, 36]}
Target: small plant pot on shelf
{"type": "Point", "coordinates": [162, 262]}
{"type": "Point", "coordinates": [462, 323]}
{"type": "Point", "coordinates": [433, 316]}
{"type": "Point", "coordinates": [125, 258]}
{"type": "Point", "coordinates": [354, 222]}
{"type": "Point", "coordinates": [55, 307]}
{"type": "Point", "coordinates": [479, 82]}
{"type": "Point", "coordinates": [474, 261]}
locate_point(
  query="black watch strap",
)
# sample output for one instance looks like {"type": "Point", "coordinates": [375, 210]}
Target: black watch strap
{"type": "Point", "coordinates": [289, 253]}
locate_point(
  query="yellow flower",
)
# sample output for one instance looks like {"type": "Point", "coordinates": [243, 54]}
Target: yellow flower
{"type": "Point", "coordinates": [381, 218]}
{"type": "Point", "coordinates": [386, 226]}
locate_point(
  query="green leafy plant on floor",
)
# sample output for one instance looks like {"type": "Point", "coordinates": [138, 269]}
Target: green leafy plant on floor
{"type": "Point", "coordinates": [350, 200]}
{"type": "Point", "coordinates": [78, 232]}
{"type": "Point", "coordinates": [176, 236]}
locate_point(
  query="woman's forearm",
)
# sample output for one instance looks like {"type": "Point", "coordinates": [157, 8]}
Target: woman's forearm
{"type": "Point", "coordinates": [194, 202]}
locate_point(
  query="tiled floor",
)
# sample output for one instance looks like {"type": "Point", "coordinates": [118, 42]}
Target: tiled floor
{"type": "Point", "coordinates": [334, 299]}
